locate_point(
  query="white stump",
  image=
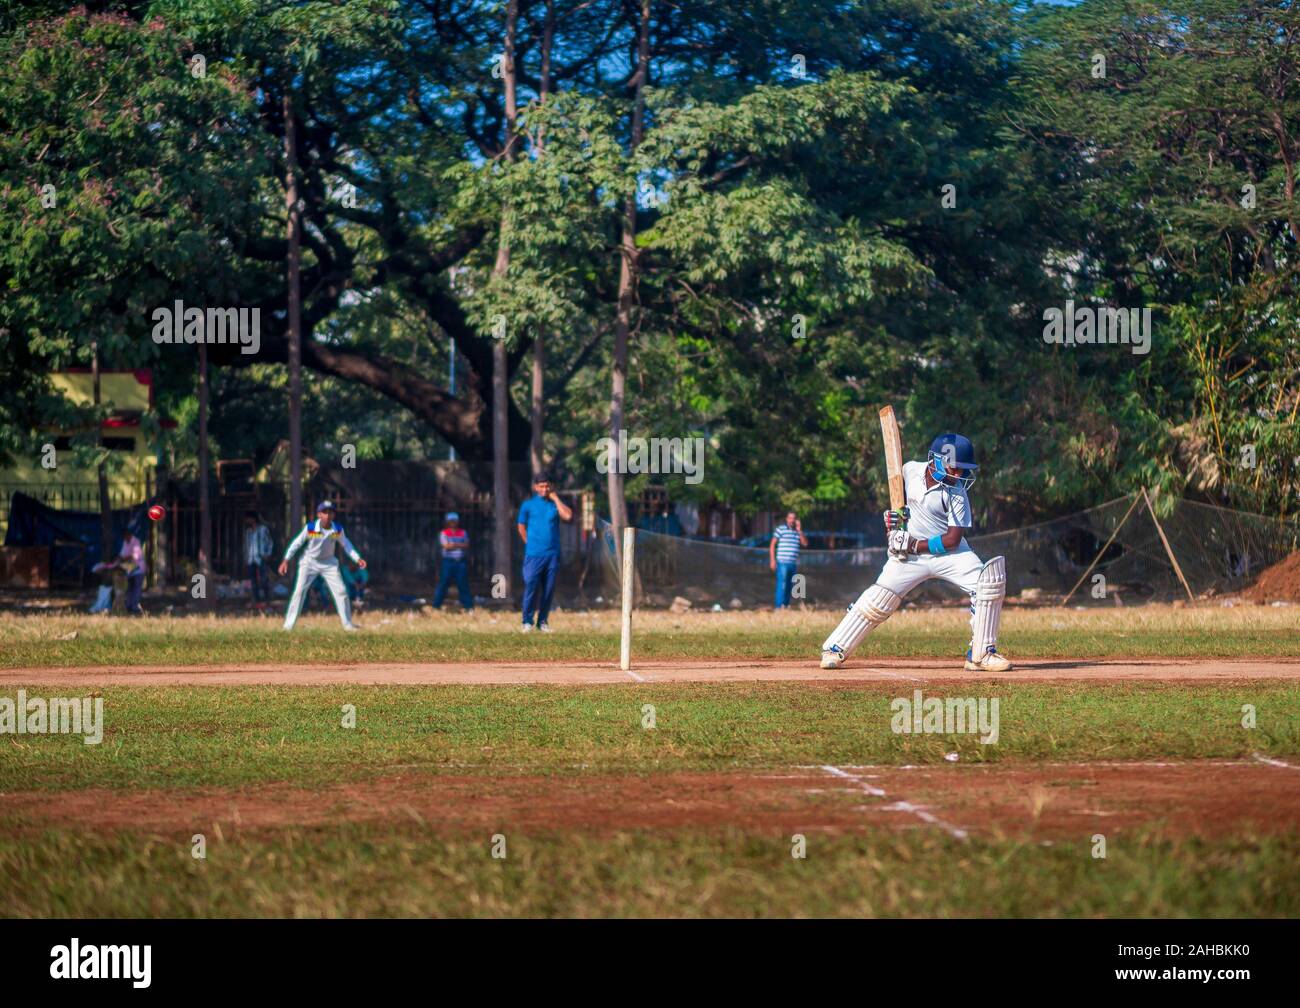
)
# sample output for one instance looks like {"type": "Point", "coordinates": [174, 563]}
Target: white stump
{"type": "Point", "coordinates": [629, 577]}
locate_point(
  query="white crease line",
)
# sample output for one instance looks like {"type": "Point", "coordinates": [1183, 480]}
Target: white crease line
{"type": "Point", "coordinates": [638, 678]}
{"type": "Point", "coordinates": [1034, 766]}
{"type": "Point", "coordinates": [1273, 762]}
{"type": "Point", "coordinates": [862, 785]}
{"type": "Point", "coordinates": [898, 806]}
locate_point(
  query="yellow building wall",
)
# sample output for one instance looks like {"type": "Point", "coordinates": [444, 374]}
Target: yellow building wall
{"type": "Point", "coordinates": [129, 474]}
{"type": "Point", "coordinates": [121, 390]}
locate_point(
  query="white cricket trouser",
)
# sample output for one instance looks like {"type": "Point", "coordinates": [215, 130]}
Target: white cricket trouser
{"type": "Point", "coordinates": [307, 572]}
{"type": "Point", "coordinates": [897, 578]}
{"type": "Point", "coordinates": [961, 568]}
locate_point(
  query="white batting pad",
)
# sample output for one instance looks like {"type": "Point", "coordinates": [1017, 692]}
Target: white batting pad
{"type": "Point", "coordinates": [990, 589]}
{"type": "Point", "coordinates": [872, 608]}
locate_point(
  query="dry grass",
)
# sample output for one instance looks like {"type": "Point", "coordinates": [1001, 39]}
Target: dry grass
{"type": "Point", "coordinates": [1150, 631]}
{"type": "Point", "coordinates": [1160, 618]}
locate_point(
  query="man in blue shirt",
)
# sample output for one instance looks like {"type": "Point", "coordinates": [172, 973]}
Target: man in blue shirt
{"type": "Point", "coordinates": [539, 528]}
{"type": "Point", "coordinates": [784, 556]}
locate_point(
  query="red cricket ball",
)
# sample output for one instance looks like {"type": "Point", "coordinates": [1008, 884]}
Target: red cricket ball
{"type": "Point", "coordinates": [156, 512]}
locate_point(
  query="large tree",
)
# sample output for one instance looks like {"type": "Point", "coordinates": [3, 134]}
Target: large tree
{"type": "Point", "coordinates": [121, 174]}
{"type": "Point", "coordinates": [835, 204]}
{"type": "Point", "coordinates": [1174, 131]}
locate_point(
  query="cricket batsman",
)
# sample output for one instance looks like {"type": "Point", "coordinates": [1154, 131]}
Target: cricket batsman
{"type": "Point", "coordinates": [927, 539]}
{"type": "Point", "coordinates": [321, 538]}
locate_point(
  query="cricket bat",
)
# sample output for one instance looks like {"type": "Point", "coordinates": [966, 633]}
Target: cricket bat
{"type": "Point", "coordinates": [893, 458]}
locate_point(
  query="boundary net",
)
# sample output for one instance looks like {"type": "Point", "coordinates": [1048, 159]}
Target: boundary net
{"type": "Point", "coordinates": [1219, 552]}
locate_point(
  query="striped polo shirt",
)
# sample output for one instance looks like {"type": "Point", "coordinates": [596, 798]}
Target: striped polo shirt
{"type": "Point", "coordinates": [454, 542]}
{"type": "Point", "coordinates": [787, 544]}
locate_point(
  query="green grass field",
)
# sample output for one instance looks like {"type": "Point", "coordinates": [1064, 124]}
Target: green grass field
{"type": "Point", "coordinates": [1151, 631]}
{"type": "Point", "coordinates": [165, 745]}
{"type": "Point", "coordinates": [182, 737]}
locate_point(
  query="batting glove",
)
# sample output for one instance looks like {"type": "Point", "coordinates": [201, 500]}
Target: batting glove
{"type": "Point", "coordinates": [898, 542]}
{"type": "Point", "coordinates": [897, 519]}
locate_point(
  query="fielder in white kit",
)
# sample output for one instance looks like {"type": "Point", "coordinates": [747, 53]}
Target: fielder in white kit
{"type": "Point", "coordinates": [927, 539]}
{"type": "Point", "coordinates": [320, 537]}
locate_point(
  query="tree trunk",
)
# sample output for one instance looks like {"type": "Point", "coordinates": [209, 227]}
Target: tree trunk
{"type": "Point", "coordinates": [548, 41]}
{"type": "Point", "coordinates": [295, 314]}
{"type": "Point", "coordinates": [101, 476]}
{"type": "Point", "coordinates": [537, 405]}
{"type": "Point", "coordinates": [500, 460]}
{"type": "Point", "coordinates": [464, 419]}
{"type": "Point", "coordinates": [500, 364]}
{"type": "Point", "coordinates": [537, 409]}
{"type": "Point", "coordinates": [626, 291]}
{"type": "Point", "coordinates": [205, 505]}
{"type": "Point", "coordinates": [162, 554]}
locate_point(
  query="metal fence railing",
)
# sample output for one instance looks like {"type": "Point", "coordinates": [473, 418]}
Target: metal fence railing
{"type": "Point", "coordinates": [82, 496]}
{"type": "Point", "coordinates": [397, 537]}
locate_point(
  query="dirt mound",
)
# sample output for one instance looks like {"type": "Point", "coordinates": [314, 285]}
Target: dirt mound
{"type": "Point", "coordinates": [1279, 583]}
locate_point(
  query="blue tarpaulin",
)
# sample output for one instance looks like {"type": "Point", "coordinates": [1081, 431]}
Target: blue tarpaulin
{"type": "Point", "coordinates": [32, 523]}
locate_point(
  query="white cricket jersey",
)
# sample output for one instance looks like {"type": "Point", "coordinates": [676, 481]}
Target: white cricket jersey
{"type": "Point", "coordinates": [320, 543]}
{"type": "Point", "coordinates": [934, 508]}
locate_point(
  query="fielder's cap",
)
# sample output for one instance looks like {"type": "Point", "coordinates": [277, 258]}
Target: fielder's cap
{"type": "Point", "coordinates": [325, 505]}
{"type": "Point", "coordinates": [453, 516]}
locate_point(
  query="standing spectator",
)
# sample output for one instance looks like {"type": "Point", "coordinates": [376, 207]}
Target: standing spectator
{"type": "Point", "coordinates": [539, 528]}
{"type": "Point", "coordinates": [665, 522]}
{"type": "Point", "coordinates": [783, 551]}
{"type": "Point", "coordinates": [257, 551]}
{"type": "Point", "coordinates": [453, 541]}
{"type": "Point", "coordinates": [131, 561]}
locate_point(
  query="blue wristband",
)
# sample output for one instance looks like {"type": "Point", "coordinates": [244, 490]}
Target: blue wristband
{"type": "Point", "coordinates": [936, 546]}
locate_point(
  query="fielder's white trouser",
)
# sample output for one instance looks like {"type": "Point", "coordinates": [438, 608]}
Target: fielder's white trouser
{"type": "Point", "coordinates": [307, 572]}
{"type": "Point", "coordinates": [985, 583]}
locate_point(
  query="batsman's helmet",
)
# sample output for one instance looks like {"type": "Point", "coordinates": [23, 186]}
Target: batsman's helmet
{"type": "Point", "coordinates": [953, 456]}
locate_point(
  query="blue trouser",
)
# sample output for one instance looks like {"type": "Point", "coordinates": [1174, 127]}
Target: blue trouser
{"type": "Point", "coordinates": [539, 585]}
{"type": "Point", "coordinates": [257, 577]}
{"type": "Point", "coordinates": [784, 582]}
{"type": "Point", "coordinates": [134, 588]}
{"type": "Point", "coordinates": [448, 571]}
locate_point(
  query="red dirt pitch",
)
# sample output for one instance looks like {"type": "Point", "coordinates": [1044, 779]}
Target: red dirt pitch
{"type": "Point", "coordinates": [1045, 803]}
{"type": "Point", "coordinates": [919, 670]}
{"type": "Point", "coordinates": [1039, 802]}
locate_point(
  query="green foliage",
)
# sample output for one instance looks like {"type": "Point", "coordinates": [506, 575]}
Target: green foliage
{"type": "Point", "coordinates": [797, 263]}
{"type": "Point", "coordinates": [1178, 164]}
{"type": "Point", "coordinates": [118, 171]}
